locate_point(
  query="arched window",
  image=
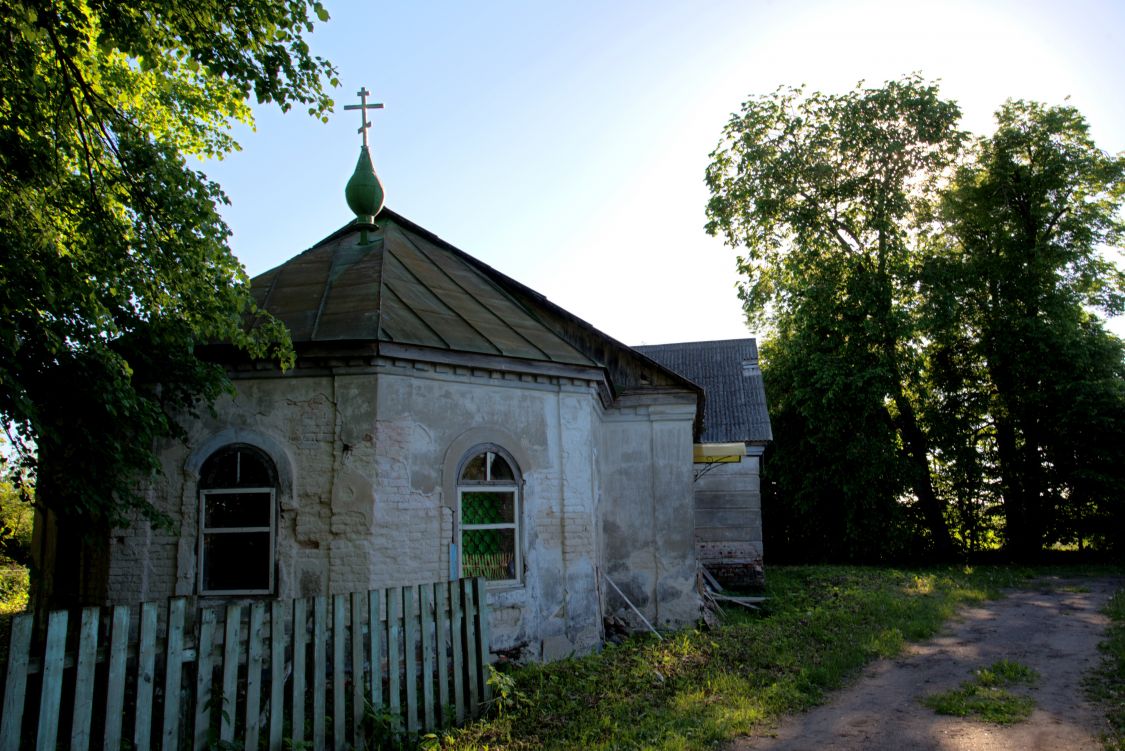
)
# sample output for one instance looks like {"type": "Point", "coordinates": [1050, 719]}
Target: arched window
{"type": "Point", "coordinates": [237, 522]}
{"type": "Point", "coordinates": [488, 515]}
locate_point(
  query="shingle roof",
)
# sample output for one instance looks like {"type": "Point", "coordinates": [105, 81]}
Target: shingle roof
{"type": "Point", "coordinates": [407, 287]}
{"type": "Point", "coordinates": [735, 406]}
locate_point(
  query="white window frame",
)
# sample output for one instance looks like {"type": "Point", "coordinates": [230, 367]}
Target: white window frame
{"type": "Point", "coordinates": [489, 487]}
{"type": "Point", "coordinates": [205, 530]}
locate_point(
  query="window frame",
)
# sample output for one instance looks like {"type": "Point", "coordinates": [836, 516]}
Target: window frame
{"type": "Point", "coordinates": [204, 530]}
{"type": "Point", "coordinates": [513, 486]}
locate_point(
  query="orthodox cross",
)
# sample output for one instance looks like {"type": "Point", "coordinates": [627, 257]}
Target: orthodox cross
{"type": "Point", "coordinates": [363, 106]}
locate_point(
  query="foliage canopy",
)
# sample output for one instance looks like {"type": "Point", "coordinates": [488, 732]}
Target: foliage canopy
{"type": "Point", "coordinates": [821, 192]}
{"type": "Point", "coordinates": [1010, 282]}
{"type": "Point", "coordinates": [116, 263]}
{"type": "Point", "coordinates": [926, 299]}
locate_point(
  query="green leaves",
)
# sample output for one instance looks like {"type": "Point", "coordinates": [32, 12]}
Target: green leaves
{"type": "Point", "coordinates": [926, 302]}
{"type": "Point", "coordinates": [1024, 253]}
{"type": "Point", "coordinates": [820, 191]}
{"type": "Point", "coordinates": [116, 263]}
{"type": "Point", "coordinates": [798, 177]}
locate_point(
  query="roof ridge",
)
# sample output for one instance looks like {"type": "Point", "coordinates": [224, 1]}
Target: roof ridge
{"type": "Point", "coordinates": [381, 288]}
{"type": "Point", "coordinates": [343, 259]}
{"type": "Point", "coordinates": [741, 339]}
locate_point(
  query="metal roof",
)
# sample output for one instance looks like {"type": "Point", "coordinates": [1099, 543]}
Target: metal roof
{"type": "Point", "coordinates": [735, 407]}
{"type": "Point", "coordinates": [408, 287]}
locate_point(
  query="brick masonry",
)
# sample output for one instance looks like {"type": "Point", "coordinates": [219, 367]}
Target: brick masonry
{"type": "Point", "coordinates": [367, 462]}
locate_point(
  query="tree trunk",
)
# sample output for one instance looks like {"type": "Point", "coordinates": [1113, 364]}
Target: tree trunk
{"type": "Point", "coordinates": [915, 447]}
{"type": "Point", "coordinates": [1019, 464]}
{"type": "Point", "coordinates": [1010, 489]}
{"type": "Point", "coordinates": [1025, 463]}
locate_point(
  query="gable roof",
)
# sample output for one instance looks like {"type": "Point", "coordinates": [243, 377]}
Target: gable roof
{"type": "Point", "coordinates": [408, 292]}
{"type": "Point", "coordinates": [735, 407]}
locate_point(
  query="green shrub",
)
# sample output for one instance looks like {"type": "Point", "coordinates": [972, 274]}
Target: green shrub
{"type": "Point", "coordinates": [14, 585]}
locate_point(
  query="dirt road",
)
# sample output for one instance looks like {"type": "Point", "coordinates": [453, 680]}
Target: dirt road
{"type": "Point", "coordinates": [1053, 627]}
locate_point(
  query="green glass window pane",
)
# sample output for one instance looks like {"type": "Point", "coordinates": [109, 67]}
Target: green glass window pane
{"type": "Point", "coordinates": [488, 508]}
{"type": "Point", "coordinates": [490, 553]}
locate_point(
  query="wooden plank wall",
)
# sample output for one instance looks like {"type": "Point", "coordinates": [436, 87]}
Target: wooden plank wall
{"type": "Point", "coordinates": [320, 671]}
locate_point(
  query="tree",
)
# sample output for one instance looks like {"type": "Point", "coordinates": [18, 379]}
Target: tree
{"type": "Point", "coordinates": [832, 476]}
{"type": "Point", "coordinates": [116, 264]}
{"type": "Point", "coordinates": [932, 346]}
{"type": "Point", "coordinates": [821, 194]}
{"type": "Point", "coordinates": [15, 523]}
{"type": "Point", "coordinates": [1021, 256]}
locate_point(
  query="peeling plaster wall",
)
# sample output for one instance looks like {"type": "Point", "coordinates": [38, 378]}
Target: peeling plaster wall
{"type": "Point", "coordinates": [367, 464]}
{"type": "Point", "coordinates": [293, 420]}
{"type": "Point", "coordinates": [648, 545]}
{"type": "Point", "coordinates": [429, 418]}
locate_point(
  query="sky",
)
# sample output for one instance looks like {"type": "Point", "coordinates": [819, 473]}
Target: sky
{"type": "Point", "coordinates": [565, 143]}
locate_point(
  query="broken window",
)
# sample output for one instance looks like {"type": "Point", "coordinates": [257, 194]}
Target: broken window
{"type": "Point", "coordinates": [237, 522]}
{"type": "Point", "coordinates": [488, 516]}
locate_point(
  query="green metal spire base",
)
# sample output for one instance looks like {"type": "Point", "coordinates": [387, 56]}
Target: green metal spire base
{"type": "Point", "coordinates": [364, 192]}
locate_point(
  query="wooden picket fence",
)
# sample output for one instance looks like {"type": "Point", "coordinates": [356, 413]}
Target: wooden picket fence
{"type": "Point", "coordinates": [340, 670]}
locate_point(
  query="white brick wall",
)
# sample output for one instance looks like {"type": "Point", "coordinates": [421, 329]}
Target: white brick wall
{"type": "Point", "coordinates": [368, 462]}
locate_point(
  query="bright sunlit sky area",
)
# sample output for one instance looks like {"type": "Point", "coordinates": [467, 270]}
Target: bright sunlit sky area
{"type": "Point", "coordinates": [565, 143]}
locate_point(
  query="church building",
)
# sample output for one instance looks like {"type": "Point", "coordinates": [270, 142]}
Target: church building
{"type": "Point", "coordinates": [442, 421]}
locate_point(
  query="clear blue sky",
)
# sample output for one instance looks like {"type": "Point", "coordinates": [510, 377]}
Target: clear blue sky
{"type": "Point", "coordinates": [565, 143]}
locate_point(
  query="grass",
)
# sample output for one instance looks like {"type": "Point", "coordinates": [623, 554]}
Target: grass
{"type": "Point", "coordinates": [1107, 685]}
{"type": "Point", "coordinates": [986, 696]}
{"type": "Point", "coordinates": [698, 688]}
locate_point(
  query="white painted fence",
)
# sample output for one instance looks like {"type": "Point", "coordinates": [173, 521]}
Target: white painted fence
{"type": "Point", "coordinates": [125, 677]}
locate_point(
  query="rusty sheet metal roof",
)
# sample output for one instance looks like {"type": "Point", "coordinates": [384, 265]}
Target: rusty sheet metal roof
{"type": "Point", "coordinates": [735, 407]}
{"type": "Point", "coordinates": [408, 287]}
